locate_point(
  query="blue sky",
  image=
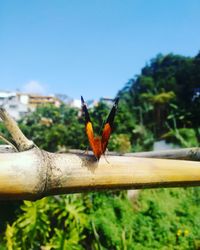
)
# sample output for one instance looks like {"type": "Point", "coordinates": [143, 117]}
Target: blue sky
{"type": "Point", "coordinates": [90, 47]}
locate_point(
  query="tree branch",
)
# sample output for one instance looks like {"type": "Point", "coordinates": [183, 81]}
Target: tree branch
{"type": "Point", "coordinates": [2, 138]}
{"type": "Point", "coordinates": [18, 137]}
{"type": "Point", "coordinates": [7, 149]}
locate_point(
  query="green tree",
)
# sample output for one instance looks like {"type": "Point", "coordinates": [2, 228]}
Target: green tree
{"type": "Point", "coordinates": [54, 128]}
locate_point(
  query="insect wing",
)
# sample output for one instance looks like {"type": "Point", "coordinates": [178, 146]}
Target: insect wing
{"type": "Point", "coordinates": [88, 124]}
{"type": "Point", "coordinates": [108, 127]}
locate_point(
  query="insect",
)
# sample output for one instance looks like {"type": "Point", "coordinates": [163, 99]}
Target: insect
{"type": "Point", "coordinates": [97, 143]}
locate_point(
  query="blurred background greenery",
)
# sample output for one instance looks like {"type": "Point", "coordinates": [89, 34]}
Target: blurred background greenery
{"type": "Point", "coordinates": [162, 103]}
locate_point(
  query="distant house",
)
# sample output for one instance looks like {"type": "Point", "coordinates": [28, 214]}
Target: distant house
{"type": "Point", "coordinates": [75, 103]}
{"type": "Point", "coordinates": [36, 100]}
{"type": "Point", "coordinates": [20, 104]}
{"type": "Point", "coordinates": [64, 98]}
{"type": "Point", "coordinates": [10, 101]}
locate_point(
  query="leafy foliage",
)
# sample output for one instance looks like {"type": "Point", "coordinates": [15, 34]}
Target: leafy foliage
{"type": "Point", "coordinates": [109, 221]}
{"type": "Point", "coordinates": [51, 223]}
{"type": "Point", "coordinates": [53, 128]}
{"type": "Point", "coordinates": [167, 89]}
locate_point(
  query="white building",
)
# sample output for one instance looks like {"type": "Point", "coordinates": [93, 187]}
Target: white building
{"type": "Point", "coordinates": [20, 104]}
{"type": "Point", "coordinates": [14, 104]}
{"type": "Point", "coordinates": [75, 103]}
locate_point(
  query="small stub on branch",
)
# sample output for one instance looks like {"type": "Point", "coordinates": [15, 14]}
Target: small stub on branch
{"type": "Point", "coordinates": [22, 143]}
{"type": "Point", "coordinates": [7, 149]}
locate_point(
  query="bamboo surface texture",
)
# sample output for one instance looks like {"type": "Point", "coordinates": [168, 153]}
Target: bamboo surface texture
{"type": "Point", "coordinates": [35, 173]}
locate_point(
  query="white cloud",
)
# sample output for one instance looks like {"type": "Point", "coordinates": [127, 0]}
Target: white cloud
{"type": "Point", "coordinates": [34, 87]}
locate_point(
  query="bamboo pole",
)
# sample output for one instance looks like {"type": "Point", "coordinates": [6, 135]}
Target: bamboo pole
{"type": "Point", "coordinates": [119, 172]}
{"type": "Point", "coordinates": [32, 173]}
{"type": "Point", "coordinates": [191, 154]}
{"type": "Point", "coordinates": [35, 173]}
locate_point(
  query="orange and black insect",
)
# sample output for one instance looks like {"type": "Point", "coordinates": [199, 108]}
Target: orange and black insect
{"type": "Point", "coordinates": [97, 143]}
